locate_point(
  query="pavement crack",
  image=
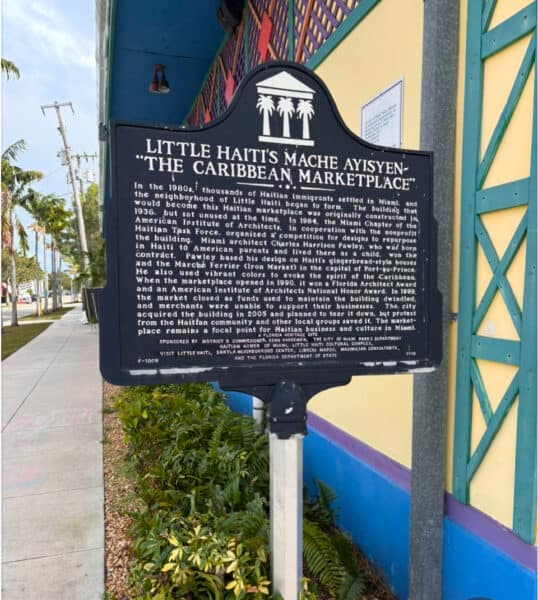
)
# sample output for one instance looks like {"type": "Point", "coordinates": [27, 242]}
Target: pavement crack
{"type": "Point", "coordinates": [61, 491]}
{"type": "Point", "coordinates": [11, 562]}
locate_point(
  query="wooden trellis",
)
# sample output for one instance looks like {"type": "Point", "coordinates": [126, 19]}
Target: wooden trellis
{"type": "Point", "coordinates": [474, 345]}
{"type": "Point", "coordinates": [315, 21]}
{"type": "Point", "coordinates": [269, 30]}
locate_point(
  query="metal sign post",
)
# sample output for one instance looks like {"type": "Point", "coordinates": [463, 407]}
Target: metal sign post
{"type": "Point", "coordinates": [287, 427]}
{"type": "Point", "coordinates": [286, 502]}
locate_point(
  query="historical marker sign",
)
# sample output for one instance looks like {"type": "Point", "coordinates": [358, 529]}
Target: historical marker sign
{"type": "Point", "coordinates": [271, 245]}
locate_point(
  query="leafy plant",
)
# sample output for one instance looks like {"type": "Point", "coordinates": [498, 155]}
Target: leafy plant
{"type": "Point", "coordinates": [206, 563]}
{"type": "Point", "coordinates": [319, 508]}
{"type": "Point", "coordinates": [328, 552]}
{"type": "Point", "coordinates": [201, 529]}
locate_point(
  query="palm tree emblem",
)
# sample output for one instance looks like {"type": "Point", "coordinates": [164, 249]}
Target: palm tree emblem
{"type": "Point", "coordinates": [285, 110]}
{"type": "Point", "coordinates": [266, 106]}
{"type": "Point", "coordinates": [305, 110]}
{"type": "Point", "coordinates": [291, 98]}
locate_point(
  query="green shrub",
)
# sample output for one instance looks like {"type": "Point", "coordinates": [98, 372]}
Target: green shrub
{"type": "Point", "coordinates": [202, 528]}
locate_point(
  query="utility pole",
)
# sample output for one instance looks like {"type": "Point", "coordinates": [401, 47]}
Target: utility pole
{"type": "Point", "coordinates": [76, 199]}
{"type": "Point", "coordinates": [78, 158]}
{"type": "Point", "coordinates": [80, 177]}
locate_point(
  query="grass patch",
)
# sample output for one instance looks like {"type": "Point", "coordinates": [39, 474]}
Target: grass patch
{"type": "Point", "coordinates": [50, 316]}
{"type": "Point", "coordinates": [14, 338]}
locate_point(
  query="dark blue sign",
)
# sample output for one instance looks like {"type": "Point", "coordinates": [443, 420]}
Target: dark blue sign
{"type": "Point", "coordinates": [272, 244]}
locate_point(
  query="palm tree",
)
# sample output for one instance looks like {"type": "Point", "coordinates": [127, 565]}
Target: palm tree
{"type": "Point", "coordinates": [305, 110]}
{"type": "Point", "coordinates": [9, 68]}
{"type": "Point", "coordinates": [285, 110]}
{"type": "Point", "coordinates": [30, 201]}
{"type": "Point", "coordinates": [66, 241]}
{"type": "Point", "coordinates": [266, 106]}
{"type": "Point", "coordinates": [37, 231]}
{"type": "Point", "coordinates": [58, 219]}
{"type": "Point", "coordinates": [50, 212]}
{"type": "Point", "coordinates": [15, 182]}
{"type": "Point", "coordinates": [37, 206]}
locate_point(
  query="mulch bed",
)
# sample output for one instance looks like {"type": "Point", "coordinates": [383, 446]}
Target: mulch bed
{"type": "Point", "coordinates": [120, 497]}
{"type": "Point", "coordinates": [119, 492]}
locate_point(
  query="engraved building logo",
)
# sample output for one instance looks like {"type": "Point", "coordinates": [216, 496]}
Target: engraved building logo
{"type": "Point", "coordinates": [292, 101]}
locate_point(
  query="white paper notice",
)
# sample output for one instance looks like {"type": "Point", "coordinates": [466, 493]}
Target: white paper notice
{"type": "Point", "coordinates": [381, 117]}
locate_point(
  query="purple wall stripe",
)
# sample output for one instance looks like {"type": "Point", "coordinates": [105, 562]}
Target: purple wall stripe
{"type": "Point", "coordinates": [464, 515]}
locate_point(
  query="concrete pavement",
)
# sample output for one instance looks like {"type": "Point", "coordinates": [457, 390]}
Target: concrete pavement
{"type": "Point", "coordinates": [52, 466]}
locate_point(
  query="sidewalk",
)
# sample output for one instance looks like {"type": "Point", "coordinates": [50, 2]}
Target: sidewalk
{"type": "Point", "coordinates": [52, 466]}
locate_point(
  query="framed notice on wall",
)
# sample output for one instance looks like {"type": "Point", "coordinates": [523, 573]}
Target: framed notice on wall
{"type": "Point", "coordinates": [381, 117]}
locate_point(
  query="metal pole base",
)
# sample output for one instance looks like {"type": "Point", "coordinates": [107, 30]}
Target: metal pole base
{"type": "Point", "coordinates": [286, 472]}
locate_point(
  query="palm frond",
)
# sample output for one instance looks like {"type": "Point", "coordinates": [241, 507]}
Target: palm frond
{"type": "Point", "coordinates": [23, 236]}
{"type": "Point", "coordinates": [9, 68]}
{"type": "Point", "coordinates": [6, 220]}
{"type": "Point", "coordinates": [13, 150]}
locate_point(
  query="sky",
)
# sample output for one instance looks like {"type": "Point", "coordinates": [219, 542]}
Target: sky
{"type": "Point", "coordinates": [52, 42]}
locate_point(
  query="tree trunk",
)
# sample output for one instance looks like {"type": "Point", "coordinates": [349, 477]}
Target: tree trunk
{"type": "Point", "coordinates": [13, 268]}
{"type": "Point", "coordinates": [14, 293]}
{"type": "Point", "coordinates": [306, 128]}
{"type": "Point", "coordinates": [38, 298]}
{"type": "Point", "coordinates": [54, 282]}
{"type": "Point", "coordinates": [56, 279]}
{"type": "Point", "coordinates": [60, 286]}
{"type": "Point", "coordinates": [286, 126]}
{"type": "Point", "coordinates": [45, 278]}
{"type": "Point", "coordinates": [266, 123]}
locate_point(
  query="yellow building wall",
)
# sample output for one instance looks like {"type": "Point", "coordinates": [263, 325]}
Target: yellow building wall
{"type": "Point", "coordinates": [378, 410]}
{"type": "Point", "coordinates": [492, 488]}
{"type": "Point", "coordinates": [386, 46]}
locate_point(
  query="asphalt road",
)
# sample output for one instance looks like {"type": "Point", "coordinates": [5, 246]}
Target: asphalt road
{"type": "Point", "coordinates": [23, 310]}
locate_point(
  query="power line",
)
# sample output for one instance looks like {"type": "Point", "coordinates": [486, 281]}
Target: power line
{"type": "Point", "coordinates": [50, 173]}
{"type": "Point", "coordinates": [79, 158]}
